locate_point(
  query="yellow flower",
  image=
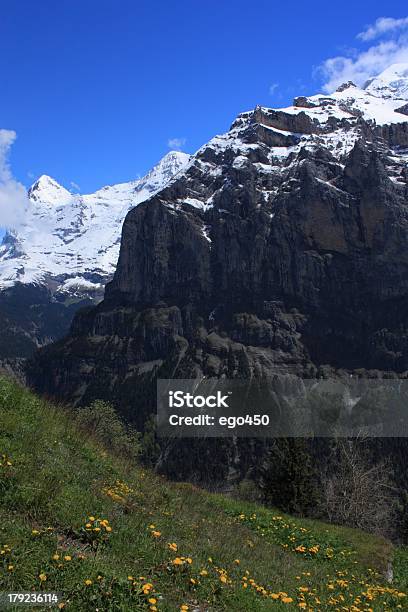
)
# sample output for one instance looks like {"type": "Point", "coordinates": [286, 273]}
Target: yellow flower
{"type": "Point", "coordinates": [177, 561]}
{"type": "Point", "coordinates": [42, 577]}
{"type": "Point", "coordinates": [88, 525]}
{"type": "Point", "coordinates": [35, 532]}
{"type": "Point", "coordinates": [189, 560]}
{"type": "Point", "coordinates": [237, 561]}
{"type": "Point", "coordinates": [184, 607]}
{"type": "Point", "coordinates": [10, 568]}
{"type": "Point", "coordinates": [287, 599]}
{"type": "Point", "coordinates": [55, 557]}
{"type": "Point", "coordinates": [173, 546]}
{"type": "Point", "coordinates": [223, 578]}
{"type": "Point", "coordinates": [97, 529]}
{"type": "Point", "coordinates": [92, 518]}
{"type": "Point", "coordinates": [109, 529]}
{"type": "Point", "coordinates": [156, 534]}
{"type": "Point", "coordinates": [61, 605]}
{"type": "Point", "coordinates": [152, 600]}
{"type": "Point", "coordinates": [130, 578]}
{"type": "Point", "coordinates": [88, 582]}
{"type": "Point", "coordinates": [203, 572]}
{"type": "Point", "coordinates": [67, 558]}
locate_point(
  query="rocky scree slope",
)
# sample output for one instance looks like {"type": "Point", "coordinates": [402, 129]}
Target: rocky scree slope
{"type": "Point", "coordinates": [63, 254]}
{"type": "Point", "coordinates": [281, 248]}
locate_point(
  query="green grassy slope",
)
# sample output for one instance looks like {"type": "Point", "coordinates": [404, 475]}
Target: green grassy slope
{"type": "Point", "coordinates": [112, 536]}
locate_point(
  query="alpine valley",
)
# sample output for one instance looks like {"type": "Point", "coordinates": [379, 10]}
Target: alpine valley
{"type": "Point", "coordinates": [281, 247]}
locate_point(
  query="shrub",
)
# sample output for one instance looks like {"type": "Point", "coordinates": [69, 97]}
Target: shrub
{"type": "Point", "coordinates": [101, 420]}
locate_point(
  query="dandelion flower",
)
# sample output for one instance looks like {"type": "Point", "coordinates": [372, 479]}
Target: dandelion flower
{"type": "Point", "coordinates": [88, 582]}
{"type": "Point", "coordinates": [43, 577]}
{"type": "Point", "coordinates": [177, 561]}
{"type": "Point", "coordinates": [152, 600]}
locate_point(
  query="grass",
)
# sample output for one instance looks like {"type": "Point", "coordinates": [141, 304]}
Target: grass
{"type": "Point", "coordinates": [109, 535]}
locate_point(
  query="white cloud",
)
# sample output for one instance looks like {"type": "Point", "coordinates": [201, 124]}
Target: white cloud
{"type": "Point", "coordinates": [382, 26]}
{"type": "Point", "coordinates": [360, 65]}
{"type": "Point", "coordinates": [13, 195]}
{"type": "Point", "coordinates": [176, 143]}
{"type": "Point", "coordinates": [75, 186]}
{"type": "Point", "coordinates": [273, 88]}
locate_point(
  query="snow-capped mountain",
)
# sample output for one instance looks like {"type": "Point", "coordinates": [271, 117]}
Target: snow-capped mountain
{"type": "Point", "coordinates": [274, 167]}
{"type": "Point", "coordinates": [70, 242]}
{"type": "Point", "coordinates": [391, 83]}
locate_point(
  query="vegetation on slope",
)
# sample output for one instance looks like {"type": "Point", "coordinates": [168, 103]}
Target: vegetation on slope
{"type": "Point", "coordinates": [78, 519]}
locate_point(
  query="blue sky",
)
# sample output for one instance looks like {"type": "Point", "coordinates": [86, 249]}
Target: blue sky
{"type": "Point", "coordinates": [96, 89]}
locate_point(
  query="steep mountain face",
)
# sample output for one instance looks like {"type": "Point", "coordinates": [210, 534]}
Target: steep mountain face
{"type": "Point", "coordinates": [282, 247]}
{"type": "Point", "coordinates": [64, 253]}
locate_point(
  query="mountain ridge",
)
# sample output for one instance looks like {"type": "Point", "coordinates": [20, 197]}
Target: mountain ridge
{"type": "Point", "coordinates": [60, 259]}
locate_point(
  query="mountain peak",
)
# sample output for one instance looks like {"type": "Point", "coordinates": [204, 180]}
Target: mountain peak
{"type": "Point", "coordinates": [390, 83]}
{"type": "Point", "coordinates": [46, 189]}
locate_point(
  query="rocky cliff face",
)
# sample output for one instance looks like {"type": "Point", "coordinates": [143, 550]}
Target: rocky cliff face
{"type": "Point", "coordinates": [63, 254]}
{"type": "Point", "coordinates": [283, 247]}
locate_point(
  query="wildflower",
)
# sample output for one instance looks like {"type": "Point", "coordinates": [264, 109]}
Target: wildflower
{"type": "Point", "coordinates": [156, 534]}
{"type": "Point", "coordinates": [55, 557]}
{"type": "Point", "coordinates": [67, 558]}
{"type": "Point", "coordinates": [237, 561]}
{"type": "Point", "coordinates": [189, 560]}
{"type": "Point", "coordinates": [287, 599]}
{"type": "Point", "coordinates": [61, 605]}
{"type": "Point", "coordinates": [177, 561]}
{"type": "Point", "coordinates": [152, 600]}
{"type": "Point", "coordinates": [173, 546]}
{"type": "Point", "coordinates": [223, 578]}
{"type": "Point", "coordinates": [35, 532]}
{"type": "Point", "coordinates": [43, 577]}
{"type": "Point", "coordinates": [184, 607]}
{"type": "Point", "coordinates": [146, 588]}
{"type": "Point", "coordinates": [91, 518]}
{"type": "Point", "coordinates": [203, 573]}
{"type": "Point", "coordinates": [130, 578]}
{"type": "Point", "coordinates": [88, 582]}
{"type": "Point", "coordinates": [10, 568]}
